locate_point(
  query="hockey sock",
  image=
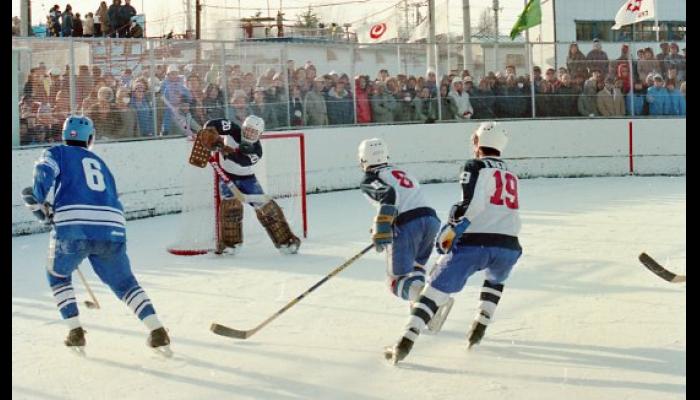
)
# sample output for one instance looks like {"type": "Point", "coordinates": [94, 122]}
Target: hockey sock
{"type": "Point", "coordinates": [423, 311]}
{"type": "Point", "coordinates": [63, 293]}
{"type": "Point", "coordinates": [137, 300]}
{"type": "Point", "coordinates": [489, 297]}
{"type": "Point", "coordinates": [409, 286]}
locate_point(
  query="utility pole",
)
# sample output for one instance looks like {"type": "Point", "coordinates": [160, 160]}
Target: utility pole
{"type": "Point", "coordinates": [24, 18]}
{"type": "Point", "coordinates": [188, 8]}
{"type": "Point", "coordinates": [466, 34]}
{"type": "Point", "coordinates": [495, 18]}
{"type": "Point", "coordinates": [431, 33]}
{"type": "Point", "coordinates": [198, 20]}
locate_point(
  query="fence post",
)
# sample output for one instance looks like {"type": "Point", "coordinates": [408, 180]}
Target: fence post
{"type": "Point", "coordinates": [223, 81]}
{"type": "Point", "coordinates": [353, 83]}
{"type": "Point", "coordinates": [71, 77]}
{"type": "Point", "coordinates": [437, 75]}
{"type": "Point", "coordinates": [151, 59]}
{"type": "Point", "coordinates": [284, 54]}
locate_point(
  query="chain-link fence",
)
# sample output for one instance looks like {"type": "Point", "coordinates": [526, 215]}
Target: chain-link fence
{"type": "Point", "coordinates": [140, 88]}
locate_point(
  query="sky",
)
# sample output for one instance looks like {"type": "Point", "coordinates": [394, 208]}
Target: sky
{"type": "Point", "coordinates": [164, 15]}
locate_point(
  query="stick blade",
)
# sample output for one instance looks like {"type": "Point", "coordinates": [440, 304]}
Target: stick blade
{"type": "Point", "coordinates": [659, 270]}
{"type": "Point", "coordinates": [229, 332]}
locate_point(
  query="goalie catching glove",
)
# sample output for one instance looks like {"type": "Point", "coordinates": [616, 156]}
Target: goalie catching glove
{"type": "Point", "coordinates": [210, 139]}
{"type": "Point", "coordinates": [451, 231]}
{"type": "Point", "coordinates": [42, 212]}
{"type": "Point", "coordinates": [383, 232]}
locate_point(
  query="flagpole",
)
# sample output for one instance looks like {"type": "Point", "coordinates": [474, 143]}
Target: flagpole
{"type": "Point", "coordinates": [528, 46]}
{"type": "Point", "coordinates": [656, 21]}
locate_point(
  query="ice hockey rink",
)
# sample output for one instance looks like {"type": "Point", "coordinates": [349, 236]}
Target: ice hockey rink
{"type": "Point", "coordinates": [580, 317]}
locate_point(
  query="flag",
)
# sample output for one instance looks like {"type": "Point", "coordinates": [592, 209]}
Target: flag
{"type": "Point", "coordinates": [634, 11]}
{"type": "Point", "coordinates": [441, 26]}
{"type": "Point", "coordinates": [379, 29]}
{"type": "Point", "coordinates": [531, 16]}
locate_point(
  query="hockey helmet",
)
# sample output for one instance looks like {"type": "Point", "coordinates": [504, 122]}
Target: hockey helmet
{"type": "Point", "coordinates": [78, 128]}
{"type": "Point", "coordinates": [372, 152]}
{"type": "Point", "coordinates": [253, 127]}
{"type": "Point", "coordinates": [490, 134]}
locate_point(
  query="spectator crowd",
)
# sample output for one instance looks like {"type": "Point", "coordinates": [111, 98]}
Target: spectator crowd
{"type": "Point", "coordinates": [117, 20]}
{"type": "Point", "coordinates": [178, 99]}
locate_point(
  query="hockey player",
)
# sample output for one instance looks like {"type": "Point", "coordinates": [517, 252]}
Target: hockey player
{"type": "Point", "coordinates": [405, 225]}
{"type": "Point", "coordinates": [87, 221]}
{"type": "Point", "coordinates": [241, 150]}
{"type": "Point", "coordinates": [481, 234]}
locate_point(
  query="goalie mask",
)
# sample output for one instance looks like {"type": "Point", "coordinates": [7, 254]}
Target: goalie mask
{"type": "Point", "coordinates": [490, 134]}
{"type": "Point", "coordinates": [253, 127]}
{"type": "Point", "coordinates": [372, 152]}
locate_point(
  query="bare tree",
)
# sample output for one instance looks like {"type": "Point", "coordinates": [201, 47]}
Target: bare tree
{"type": "Point", "coordinates": [486, 25]}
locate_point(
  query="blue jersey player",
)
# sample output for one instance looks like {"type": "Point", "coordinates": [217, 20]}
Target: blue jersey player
{"type": "Point", "coordinates": [87, 221]}
{"type": "Point", "coordinates": [405, 223]}
{"type": "Point", "coordinates": [481, 234]}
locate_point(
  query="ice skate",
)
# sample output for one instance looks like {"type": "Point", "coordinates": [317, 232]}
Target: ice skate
{"type": "Point", "coordinates": [476, 333]}
{"type": "Point", "coordinates": [159, 341]}
{"type": "Point", "coordinates": [396, 353]}
{"type": "Point", "coordinates": [440, 316]}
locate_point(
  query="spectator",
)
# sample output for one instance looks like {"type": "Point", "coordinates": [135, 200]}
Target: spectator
{"type": "Point", "coordinates": [213, 75]}
{"type": "Point", "coordinates": [262, 110]}
{"type": "Point", "coordinates": [135, 31]}
{"type": "Point", "coordinates": [141, 104]}
{"type": "Point", "coordinates": [67, 21]}
{"type": "Point", "coordinates": [89, 25]}
{"type": "Point", "coordinates": [411, 86]}
{"type": "Point", "coordinates": [648, 65]}
{"type": "Point", "coordinates": [461, 107]}
{"type": "Point", "coordinates": [102, 24]}
{"type": "Point", "coordinates": [566, 98]}
{"type": "Point", "coordinates": [610, 101]}
{"type": "Point", "coordinates": [102, 114]}
{"type": "Point", "coordinates": [382, 102]}
{"type": "Point", "coordinates": [339, 103]}
{"type": "Point", "coordinates": [55, 84]}
{"type": "Point", "coordinates": [16, 26]}
{"type": "Point", "coordinates": [537, 77]}
{"type": "Point", "coordinates": [576, 61]}
{"type": "Point", "coordinates": [310, 75]}
{"type": "Point", "coordinates": [126, 77]}
{"type": "Point", "coordinates": [113, 17]}
{"type": "Point", "coordinates": [597, 58]}
{"type": "Point", "coordinates": [676, 60]}
{"type": "Point", "coordinates": [77, 26]}
{"type": "Point", "coordinates": [675, 100]}
{"type": "Point", "coordinates": [47, 126]}
{"type": "Point", "coordinates": [234, 84]}
{"type": "Point", "coordinates": [194, 85]}
{"type": "Point", "coordinates": [587, 106]}
{"type": "Point", "coordinates": [657, 97]}
{"type": "Point", "coordinates": [126, 115]}
{"type": "Point", "coordinates": [683, 98]}
{"type": "Point", "coordinates": [276, 98]}
{"type": "Point", "coordinates": [174, 92]}
{"type": "Point", "coordinates": [362, 105]}
{"type": "Point", "coordinates": [622, 60]}
{"type": "Point", "coordinates": [636, 98]}
{"type": "Point", "coordinates": [431, 82]}
{"type": "Point", "coordinates": [213, 102]}
{"type": "Point", "coordinates": [296, 108]}
{"type": "Point", "coordinates": [239, 109]}
{"type": "Point", "coordinates": [672, 73]}
{"type": "Point", "coordinates": [383, 75]}
{"type": "Point", "coordinates": [404, 110]}
{"type": "Point", "coordinates": [661, 58]}
{"type": "Point", "coordinates": [446, 106]}
{"type": "Point", "coordinates": [392, 86]}
{"type": "Point", "coordinates": [425, 107]}
{"type": "Point", "coordinates": [623, 73]}
{"type": "Point", "coordinates": [315, 113]}
{"type": "Point", "coordinates": [126, 12]}
{"type": "Point", "coordinates": [61, 108]}
{"type": "Point", "coordinates": [483, 99]}
{"type": "Point", "coordinates": [83, 83]}
{"type": "Point", "coordinates": [55, 18]}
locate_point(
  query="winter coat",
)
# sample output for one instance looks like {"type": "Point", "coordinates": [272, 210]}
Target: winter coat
{"type": "Point", "coordinates": [340, 107]}
{"type": "Point", "coordinates": [67, 24]}
{"type": "Point", "coordinates": [587, 100]}
{"type": "Point", "coordinates": [267, 113]}
{"type": "Point", "coordinates": [610, 104]}
{"type": "Point", "coordinates": [144, 116]}
{"type": "Point", "coordinates": [125, 14]}
{"type": "Point", "coordinates": [103, 17]}
{"type": "Point", "coordinates": [676, 103]}
{"type": "Point", "coordinates": [171, 91]}
{"type": "Point", "coordinates": [128, 123]}
{"type": "Point", "coordinates": [296, 111]}
{"type": "Point", "coordinates": [598, 58]}
{"type": "Point", "coordinates": [678, 61]}
{"type": "Point", "coordinates": [105, 124]}
{"type": "Point", "coordinates": [447, 109]}
{"type": "Point", "coordinates": [383, 106]}
{"type": "Point", "coordinates": [658, 100]}
{"type": "Point", "coordinates": [636, 100]}
{"type": "Point", "coordinates": [77, 27]}
{"type": "Point", "coordinates": [425, 110]}
{"type": "Point", "coordinates": [362, 106]}
{"type": "Point", "coordinates": [513, 102]}
{"type": "Point", "coordinates": [315, 112]}
{"type": "Point", "coordinates": [460, 104]}
{"type": "Point", "coordinates": [213, 108]}
{"type": "Point", "coordinates": [484, 104]}
{"type": "Point", "coordinates": [278, 106]}
{"type": "Point", "coordinates": [113, 16]}
{"type": "Point", "coordinates": [89, 26]}
{"type": "Point", "coordinates": [566, 101]}
{"type": "Point", "coordinates": [577, 64]}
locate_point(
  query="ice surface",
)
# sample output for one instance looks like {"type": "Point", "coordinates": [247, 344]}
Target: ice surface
{"type": "Point", "coordinates": [580, 317]}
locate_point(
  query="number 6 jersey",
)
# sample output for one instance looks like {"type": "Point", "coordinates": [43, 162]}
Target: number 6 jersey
{"type": "Point", "coordinates": [490, 202]}
{"type": "Point", "coordinates": [86, 203]}
{"type": "Point", "coordinates": [390, 185]}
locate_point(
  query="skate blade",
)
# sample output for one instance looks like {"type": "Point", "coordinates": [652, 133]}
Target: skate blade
{"type": "Point", "coordinates": [390, 355]}
{"type": "Point", "coordinates": [438, 320]}
{"type": "Point", "coordinates": [287, 250]}
{"type": "Point", "coordinates": [77, 350]}
{"type": "Point", "coordinates": [163, 351]}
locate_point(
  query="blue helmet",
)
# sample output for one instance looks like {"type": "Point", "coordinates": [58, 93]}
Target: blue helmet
{"type": "Point", "coordinates": [78, 128]}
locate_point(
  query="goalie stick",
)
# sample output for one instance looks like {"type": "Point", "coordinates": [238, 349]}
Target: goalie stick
{"type": "Point", "coordinates": [240, 334]}
{"type": "Point", "coordinates": [657, 269]}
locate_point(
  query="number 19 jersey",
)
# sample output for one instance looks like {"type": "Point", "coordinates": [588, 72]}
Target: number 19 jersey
{"type": "Point", "coordinates": [86, 203]}
{"type": "Point", "coordinates": [490, 201]}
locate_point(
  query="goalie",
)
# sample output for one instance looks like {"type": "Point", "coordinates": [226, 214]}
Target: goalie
{"type": "Point", "coordinates": [241, 150]}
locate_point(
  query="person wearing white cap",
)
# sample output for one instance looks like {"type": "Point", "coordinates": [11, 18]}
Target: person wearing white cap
{"type": "Point", "coordinates": [174, 92]}
{"type": "Point", "coordinates": [462, 108]}
{"type": "Point", "coordinates": [481, 234]}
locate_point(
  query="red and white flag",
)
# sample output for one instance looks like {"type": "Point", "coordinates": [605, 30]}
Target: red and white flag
{"type": "Point", "coordinates": [634, 11]}
{"type": "Point", "coordinates": [379, 30]}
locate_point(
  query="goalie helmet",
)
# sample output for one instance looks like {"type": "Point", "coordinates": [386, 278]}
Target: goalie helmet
{"type": "Point", "coordinates": [490, 134]}
{"type": "Point", "coordinates": [253, 127]}
{"type": "Point", "coordinates": [372, 152]}
{"type": "Point", "coordinates": [78, 128]}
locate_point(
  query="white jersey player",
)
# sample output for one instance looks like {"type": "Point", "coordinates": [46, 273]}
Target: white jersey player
{"type": "Point", "coordinates": [481, 234]}
{"type": "Point", "coordinates": [404, 219]}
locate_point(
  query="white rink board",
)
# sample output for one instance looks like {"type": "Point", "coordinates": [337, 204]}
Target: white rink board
{"type": "Point", "coordinates": [147, 171]}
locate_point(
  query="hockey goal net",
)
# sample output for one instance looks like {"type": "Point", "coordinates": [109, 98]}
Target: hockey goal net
{"type": "Point", "coordinates": [281, 173]}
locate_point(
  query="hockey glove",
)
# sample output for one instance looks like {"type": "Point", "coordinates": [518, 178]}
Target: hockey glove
{"type": "Point", "coordinates": [210, 139]}
{"type": "Point", "coordinates": [383, 232]}
{"type": "Point", "coordinates": [450, 232]}
{"type": "Point", "coordinates": [42, 212]}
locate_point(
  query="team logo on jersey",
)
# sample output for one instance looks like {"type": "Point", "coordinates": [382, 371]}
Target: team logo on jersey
{"type": "Point", "coordinates": [465, 176]}
{"type": "Point", "coordinates": [226, 125]}
{"type": "Point", "coordinates": [73, 133]}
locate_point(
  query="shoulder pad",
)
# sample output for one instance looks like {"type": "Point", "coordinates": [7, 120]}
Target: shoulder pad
{"type": "Point", "coordinates": [474, 165]}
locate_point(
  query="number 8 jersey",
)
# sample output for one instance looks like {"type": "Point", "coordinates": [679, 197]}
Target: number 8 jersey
{"type": "Point", "coordinates": [490, 202]}
{"type": "Point", "coordinates": [86, 203]}
{"type": "Point", "coordinates": [390, 185]}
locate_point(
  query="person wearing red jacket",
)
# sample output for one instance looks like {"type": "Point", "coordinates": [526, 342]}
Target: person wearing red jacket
{"type": "Point", "coordinates": [362, 105]}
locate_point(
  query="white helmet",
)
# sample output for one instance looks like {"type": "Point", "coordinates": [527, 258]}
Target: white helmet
{"type": "Point", "coordinates": [372, 152]}
{"type": "Point", "coordinates": [491, 134]}
{"type": "Point", "coordinates": [253, 127]}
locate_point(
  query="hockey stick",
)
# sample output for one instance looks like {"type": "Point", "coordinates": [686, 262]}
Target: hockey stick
{"type": "Point", "coordinates": [239, 334]}
{"type": "Point", "coordinates": [662, 272]}
{"type": "Point", "coordinates": [90, 304]}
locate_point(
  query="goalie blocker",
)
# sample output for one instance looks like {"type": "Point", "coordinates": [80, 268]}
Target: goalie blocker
{"type": "Point", "coordinates": [241, 150]}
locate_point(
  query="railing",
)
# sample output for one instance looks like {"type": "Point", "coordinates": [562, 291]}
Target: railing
{"type": "Point", "coordinates": [174, 86]}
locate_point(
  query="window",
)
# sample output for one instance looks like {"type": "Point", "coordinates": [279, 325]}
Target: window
{"type": "Point", "coordinates": [639, 32]}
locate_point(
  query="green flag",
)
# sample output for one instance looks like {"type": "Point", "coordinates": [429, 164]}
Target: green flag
{"type": "Point", "coordinates": [531, 16]}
